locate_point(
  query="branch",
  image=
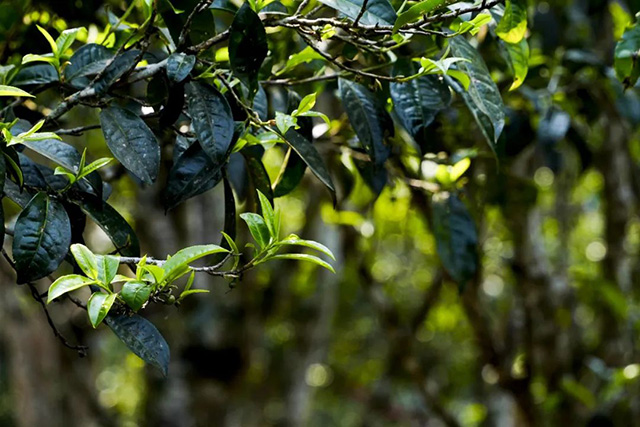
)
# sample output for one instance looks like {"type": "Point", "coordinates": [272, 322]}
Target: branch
{"type": "Point", "coordinates": [81, 349]}
{"type": "Point", "coordinates": [362, 10]}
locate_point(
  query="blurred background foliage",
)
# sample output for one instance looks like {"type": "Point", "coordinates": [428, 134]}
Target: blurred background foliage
{"type": "Point", "coordinates": [546, 334]}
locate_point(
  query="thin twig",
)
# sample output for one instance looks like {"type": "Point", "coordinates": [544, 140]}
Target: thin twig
{"type": "Point", "coordinates": [362, 10]}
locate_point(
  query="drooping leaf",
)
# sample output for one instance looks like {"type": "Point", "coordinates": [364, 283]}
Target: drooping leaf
{"type": "Point", "coordinates": [135, 293]}
{"type": "Point", "coordinates": [179, 65]}
{"type": "Point", "coordinates": [518, 60]}
{"type": "Point", "coordinates": [306, 257]}
{"type": "Point", "coordinates": [296, 241]}
{"type": "Point", "coordinates": [418, 10]}
{"type": "Point", "coordinates": [40, 74]}
{"type": "Point", "coordinates": [212, 120]}
{"type": "Point", "coordinates": [368, 118]}
{"type": "Point", "coordinates": [483, 97]}
{"type": "Point", "coordinates": [98, 307]}
{"type": "Point", "coordinates": [311, 157]}
{"type": "Point", "coordinates": [142, 338]}
{"type": "Point", "coordinates": [247, 46]}
{"type": "Point", "coordinates": [378, 12]}
{"type": "Point", "coordinates": [257, 171]}
{"type": "Point", "coordinates": [131, 142]}
{"type": "Point", "coordinates": [13, 91]}
{"type": "Point", "coordinates": [192, 174]}
{"type": "Point", "coordinates": [67, 283]}
{"type": "Point", "coordinates": [456, 238]}
{"type": "Point", "coordinates": [186, 256]}
{"type": "Point", "coordinates": [113, 224]}
{"type": "Point", "coordinates": [291, 173]}
{"type": "Point", "coordinates": [513, 25]}
{"type": "Point", "coordinates": [417, 101]}
{"type": "Point", "coordinates": [42, 236]}
{"type": "Point", "coordinates": [257, 227]}
{"type": "Point", "coordinates": [90, 59]}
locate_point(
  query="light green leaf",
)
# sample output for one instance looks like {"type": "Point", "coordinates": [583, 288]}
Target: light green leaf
{"type": "Point", "coordinates": [98, 307]}
{"type": "Point", "coordinates": [29, 57]}
{"type": "Point", "coordinates": [518, 55]}
{"type": "Point", "coordinates": [86, 260]}
{"type": "Point", "coordinates": [257, 227]}
{"type": "Point", "coordinates": [418, 10]}
{"type": "Point", "coordinates": [181, 260]}
{"type": "Point", "coordinates": [13, 91]}
{"type": "Point", "coordinates": [135, 294]}
{"type": "Point", "coordinates": [107, 268]}
{"type": "Point", "coordinates": [305, 105]}
{"type": "Point", "coordinates": [66, 284]}
{"type": "Point", "coordinates": [305, 257]}
{"type": "Point", "coordinates": [296, 241]}
{"type": "Point", "coordinates": [284, 122]}
{"type": "Point", "coordinates": [52, 43]}
{"type": "Point", "coordinates": [305, 56]}
{"type": "Point", "coordinates": [66, 39]}
{"type": "Point", "coordinates": [513, 25]}
{"type": "Point", "coordinates": [268, 215]}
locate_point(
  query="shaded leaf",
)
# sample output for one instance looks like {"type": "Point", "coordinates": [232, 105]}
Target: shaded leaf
{"type": "Point", "coordinates": [192, 174]}
{"type": "Point", "coordinates": [142, 338]}
{"type": "Point", "coordinates": [247, 46]}
{"type": "Point", "coordinates": [211, 119]}
{"type": "Point", "coordinates": [90, 59]}
{"type": "Point", "coordinates": [131, 142]}
{"type": "Point", "coordinates": [456, 238]}
{"type": "Point", "coordinates": [116, 69]}
{"type": "Point", "coordinates": [483, 97]}
{"type": "Point", "coordinates": [417, 101]}
{"type": "Point", "coordinates": [42, 236]}
{"type": "Point", "coordinates": [418, 10]}
{"type": "Point", "coordinates": [179, 65]}
{"type": "Point", "coordinates": [368, 118]}
{"type": "Point", "coordinates": [39, 74]}
{"type": "Point", "coordinates": [378, 12]}
{"type": "Point", "coordinates": [311, 157]}
{"type": "Point", "coordinates": [113, 224]}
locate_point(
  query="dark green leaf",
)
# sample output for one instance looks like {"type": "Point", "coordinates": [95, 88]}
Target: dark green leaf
{"type": "Point", "coordinates": [116, 69]}
{"type": "Point", "coordinates": [36, 75]}
{"type": "Point", "coordinates": [312, 158]}
{"type": "Point", "coordinates": [247, 46]}
{"type": "Point", "coordinates": [212, 120]}
{"type": "Point", "coordinates": [90, 59]}
{"type": "Point", "coordinates": [456, 237]}
{"type": "Point", "coordinates": [368, 118]}
{"type": "Point", "coordinates": [113, 224]}
{"type": "Point", "coordinates": [417, 101]}
{"type": "Point", "coordinates": [483, 97]}
{"type": "Point", "coordinates": [42, 236]}
{"type": "Point", "coordinates": [257, 172]}
{"type": "Point", "coordinates": [179, 65]}
{"type": "Point", "coordinates": [291, 173]}
{"type": "Point", "coordinates": [378, 12]}
{"type": "Point", "coordinates": [192, 174]}
{"type": "Point", "coordinates": [131, 142]}
{"type": "Point", "coordinates": [142, 338]}
{"type": "Point", "coordinates": [135, 294]}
